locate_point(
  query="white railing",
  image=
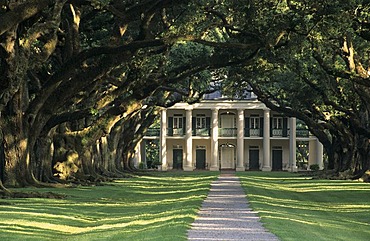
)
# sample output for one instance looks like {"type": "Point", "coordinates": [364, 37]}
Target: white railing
{"type": "Point", "coordinates": [227, 132]}
{"type": "Point", "coordinates": [202, 132]}
{"type": "Point", "coordinates": [277, 132]}
{"type": "Point", "coordinates": [254, 132]}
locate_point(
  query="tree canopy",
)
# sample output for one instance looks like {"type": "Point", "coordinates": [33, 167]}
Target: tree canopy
{"type": "Point", "coordinates": [319, 72]}
{"type": "Point", "coordinates": [82, 80]}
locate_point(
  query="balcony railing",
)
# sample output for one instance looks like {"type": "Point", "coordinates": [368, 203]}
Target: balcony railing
{"type": "Point", "coordinates": [202, 132]}
{"type": "Point", "coordinates": [253, 132]}
{"type": "Point", "coordinates": [285, 132]}
{"type": "Point", "coordinates": [277, 132]}
{"type": "Point", "coordinates": [302, 133]}
{"type": "Point", "coordinates": [227, 132]}
{"type": "Point", "coordinates": [175, 131]}
{"type": "Point", "coordinates": [153, 132]}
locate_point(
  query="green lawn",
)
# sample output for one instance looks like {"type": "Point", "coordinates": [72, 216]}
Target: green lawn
{"type": "Point", "coordinates": [162, 206]}
{"type": "Point", "coordinates": [298, 208]}
{"type": "Point", "coordinates": [157, 207]}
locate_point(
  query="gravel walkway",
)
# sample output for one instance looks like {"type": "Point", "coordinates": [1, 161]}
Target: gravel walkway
{"type": "Point", "coordinates": [225, 215]}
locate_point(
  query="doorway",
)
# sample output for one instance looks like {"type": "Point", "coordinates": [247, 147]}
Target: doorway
{"type": "Point", "coordinates": [227, 156]}
{"type": "Point", "coordinates": [254, 159]}
{"type": "Point", "coordinates": [200, 159]}
{"type": "Point", "coordinates": [177, 158]}
{"type": "Point", "coordinates": [277, 159]}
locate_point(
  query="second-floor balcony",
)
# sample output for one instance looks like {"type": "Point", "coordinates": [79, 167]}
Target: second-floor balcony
{"type": "Point", "coordinates": [153, 132]}
{"type": "Point", "coordinates": [175, 132]}
{"type": "Point", "coordinates": [202, 132]}
{"type": "Point", "coordinates": [253, 132]}
{"type": "Point", "coordinates": [227, 132]}
{"type": "Point", "coordinates": [278, 132]}
{"type": "Point", "coordinates": [302, 132]}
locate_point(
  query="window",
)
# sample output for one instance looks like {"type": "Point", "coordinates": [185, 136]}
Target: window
{"type": "Point", "coordinates": [277, 123]}
{"type": "Point", "coordinates": [177, 122]}
{"type": "Point", "coordinates": [254, 122]}
{"type": "Point", "coordinates": [200, 122]}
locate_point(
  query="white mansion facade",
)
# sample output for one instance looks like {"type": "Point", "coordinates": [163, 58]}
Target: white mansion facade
{"type": "Point", "coordinates": [226, 134]}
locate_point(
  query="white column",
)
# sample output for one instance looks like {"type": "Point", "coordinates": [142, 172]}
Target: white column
{"type": "Point", "coordinates": [240, 142]}
{"type": "Point", "coordinates": [312, 152]}
{"type": "Point", "coordinates": [214, 141]}
{"type": "Point", "coordinates": [137, 158]}
{"type": "Point", "coordinates": [143, 154]}
{"type": "Point", "coordinates": [163, 135]}
{"type": "Point", "coordinates": [293, 144]}
{"type": "Point", "coordinates": [320, 154]}
{"type": "Point", "coordinates": [266, 141]}
{"type": "Point", "coordinates": [188, 165]}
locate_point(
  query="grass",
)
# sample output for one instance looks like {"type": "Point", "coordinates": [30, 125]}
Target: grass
{"type": "Point", "coordinates": [157, 207]}
{"type": "Point", "coordinates": [163, 205]}
{"type": "Point", "coordinates": [299, 208]}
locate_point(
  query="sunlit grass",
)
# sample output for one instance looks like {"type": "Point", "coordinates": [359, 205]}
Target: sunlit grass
{"type": "Point", "coordinates": [162, 206]}
{"type": "Point", "coordinates": [299, 208]}
{"type": "Point", "coordinates": [157, 207]}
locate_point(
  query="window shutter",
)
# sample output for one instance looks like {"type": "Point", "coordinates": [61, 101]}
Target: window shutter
{"type": "Point", "coordinates": [247, 126]}
{"type": "Point", "coordinates": [285, 127]}
{"type": "Point", "coordinates": [208, 122]}
{"type": "Point", "coordinates": [271, 125]}
{"type": "Point", "coordinates": [184, 126]}
{"type": "Point", "coordinates": [261, 126]}
{"type": "Point", "coordinates": [193, 125]}
{"type": "Point", "coordinates": [170, 126]}
{"type": "Point", "coordinates": [208, 125]}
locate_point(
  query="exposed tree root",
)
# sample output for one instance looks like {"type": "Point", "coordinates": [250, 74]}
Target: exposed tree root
{"type": "Point", "coordinates": [31, 195]}
{"type": "Point", "coordinates": [365, 177]}
{"type": "Point", "coordinates": [334, 175]}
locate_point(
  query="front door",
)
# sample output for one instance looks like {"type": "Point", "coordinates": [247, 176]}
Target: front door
{"type": "Point", "coordinates": [200, 159]}
{"type": "Point", "coordinates": [177, 158]}
{"type": "Point", "coordinates": [277, 160]}
{"type": "Point", "coordinates": [254, 159]}
{"type": "Point", "coordinates": [227, 158]}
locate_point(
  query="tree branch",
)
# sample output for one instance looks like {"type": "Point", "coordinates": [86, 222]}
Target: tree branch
{"type": "Point", "coordinates": [21, 13]}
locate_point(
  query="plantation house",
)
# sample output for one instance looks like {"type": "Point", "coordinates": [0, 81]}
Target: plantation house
{"type": "Point", "coordinates": [217, 134]}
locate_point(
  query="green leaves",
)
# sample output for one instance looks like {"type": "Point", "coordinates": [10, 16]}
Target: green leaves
{"type": "Point", "coordinates": [100, 4]}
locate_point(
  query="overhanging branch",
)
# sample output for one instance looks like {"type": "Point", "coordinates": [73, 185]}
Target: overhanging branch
{"type": "Point", "coordinates": [21, 13]}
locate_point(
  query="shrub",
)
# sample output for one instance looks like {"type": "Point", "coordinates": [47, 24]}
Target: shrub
{"type": "Point", "coordinates": [314, 167]}
{"type": "Point", "coordinates": [141, 165]}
